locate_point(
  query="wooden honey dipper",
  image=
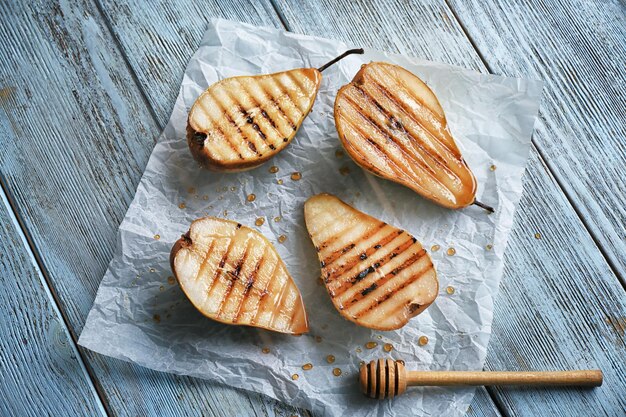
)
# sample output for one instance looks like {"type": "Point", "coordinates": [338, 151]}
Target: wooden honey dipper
{"type": "Point", "coordinates": [387, 378]}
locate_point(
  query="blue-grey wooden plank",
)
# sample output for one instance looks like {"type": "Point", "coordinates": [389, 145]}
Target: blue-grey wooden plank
{"type": "Point", "coordinates": [159, 40]}
{"type": "Point", "coordinates": [579, 49]}
{"type": "Point", "coordinates": [569, 291]}
{"type": "Point", "coordinates": [75, 135]}
{"type": "Point", "coordinates": [41, 370]}
{"type": "Point", "coordinates": [559, 307]}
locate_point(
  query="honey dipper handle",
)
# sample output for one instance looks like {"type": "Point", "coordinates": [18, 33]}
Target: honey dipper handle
{"type": "Point", "coordinates": [587, 378]}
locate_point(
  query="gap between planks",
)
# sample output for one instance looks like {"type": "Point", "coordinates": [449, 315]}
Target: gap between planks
{"type": "Point", "coordinates": [35, 258]}
{"type": "Point", "coordinates": [545, 162]}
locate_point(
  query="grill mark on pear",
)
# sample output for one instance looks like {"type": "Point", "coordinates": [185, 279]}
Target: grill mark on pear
{"type": "Point", "coordinates": [411, 114]}
{"type": "Point", "coordinates": [243, 89]}
{"type": "Point", "coordinates": [272, 101]}
{"type": "Point", "coordinates": [396, 286]}
{"type": "Point", "coordinates": [263, 297]}
{"type": "Point", "coordinates": [332, 258]}
{"type": "Point", "coordinates": [219, 271]}
{"type": "Point", "coordinates": [385, 133]}
{"type": "Point", "coordinates": [234, 97]}
{"type": "Point", "coordinates": [230, 121]}
{"type": "Point", "coordinates": [369, 252]}
{"type": "Point", "coordinates": [215, 126]}
{"type": "Point", "coordinates": [393, 165]}
{"type": "Point", "coordinates": [413, 140]}
{"type": "Point", "coordinates": [233, 278]}
{"type": "Point", "coordinates": [398, 250]}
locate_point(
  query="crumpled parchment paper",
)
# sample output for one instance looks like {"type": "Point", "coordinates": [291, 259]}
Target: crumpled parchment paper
{"type": "Point", "coordinates": [141, 315]}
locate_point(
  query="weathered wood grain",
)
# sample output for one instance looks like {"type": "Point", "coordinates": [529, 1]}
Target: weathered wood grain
{"type": "Point", "coordinates": [578, 49]}
{"type": "Point", "coordinates": [560, 307]}
{"type": "Point", "coordinates": [574, 270]}
{"type": "Point", "coordinates": [159, 40]}
{"type": "Point", "coordinates": [75, 135]}
{"type": "Point", "coordinates": [42, 373]}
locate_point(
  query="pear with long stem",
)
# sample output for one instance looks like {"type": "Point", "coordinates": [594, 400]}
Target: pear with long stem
{"type": "Point", "coordinates": [392, 124]}
{"type": "Point", "coordinates": [239, 123]}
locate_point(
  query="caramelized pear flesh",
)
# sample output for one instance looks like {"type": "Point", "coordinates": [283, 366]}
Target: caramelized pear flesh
{"type": "Point", "coordinates": [377, 275]}
{"type": "Point", "coordinates": [392, 125]}
{"type": "Point", "coordinates": [233, 274]}
{"type": "Point", "coordinates": [239, 123]}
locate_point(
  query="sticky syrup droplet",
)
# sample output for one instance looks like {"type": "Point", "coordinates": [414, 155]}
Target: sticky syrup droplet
{"type": "Point", "coordinates": [358, 350]}
{"type": "Point", "coordinates": [161, 288]}
{"type": "Point", "coordinates": [330, 359]}
{"type": "Point", "coordinates": [251, 197]}
{"type": "Point", "coordinates": [205, 197]}
{"type": "Point", "coordinates": [296, 176]}
{"type": "Point", "coordinates": [339, 153]}
{"type": "Point", "coordinates": [337, 372]}
{"type": "Point", "coordinates": [156, 318]}
{"type": "Point", "coordinates": [182, 205]}
{"type": "Point", "coordinates": [307, 366]}
{"type": "Point", "coordinates": [492, 167]}
{"type": "Point", "coordinates": [282, 238]}
{"type": "Point", "coordinates": [273, 169]}
{"type": "Point", "coordinates": [152, 270]}
{"type": "Point", "coordinates": [423, 340]}
{"type": "Point", "coordinates": [379, 337]}
{"type": "Point", "coordinates": [435, 248]}
{"type": "Point", "coordinates": [279, 182]}
{"type": "Point", "coordinates": [260, 221]}
{"type": "Point", "coordinates": [388, 347]}
{"type": "Point", "coordinates": [191, 190]}
{"type": "Point", "coordinates": [450, 289]}
{"type": "Point", "coordinates": [537, 235]}
{"type": "Point", "coordinates": [371, 345]}
{"type": "Point", "coordinates": [277, 219]}
{"type": "Point", "coordinates": [265, 350]}
{"type": "Point", "coordinates": [157, 237]}
{"type": "Point", "coordinates": [344, 170]}
{"type": "Point", "coordinates": [451, 251]}
{"type": "Point", "coordinates": [225, 212]}
{"type": "Point", "coordinates": [171, 280]}
{"type": "Point", "coordinates": [489, 247]}
{"type": "Point", "coordinates": [318, 339]}
{"type": "Point", "coordinates": [233, 188]}
{"type": "Point", "coordinates": [295, 377]}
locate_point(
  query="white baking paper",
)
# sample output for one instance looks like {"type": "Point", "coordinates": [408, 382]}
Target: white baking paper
{"type": "Point", "coordinates": [141, 316]}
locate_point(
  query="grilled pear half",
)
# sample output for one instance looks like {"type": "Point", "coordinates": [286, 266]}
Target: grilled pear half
{"type": "Point", "coordinates": [233, 274]}
{"type": "Point", "coordinates": [239, 123]}
{"type": "Point", "coordinates": [377, 275]}
{"type": "Point", "coordinates": [392, 125]}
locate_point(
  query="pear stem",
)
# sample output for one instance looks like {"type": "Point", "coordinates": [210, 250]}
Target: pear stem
{"type": "Point", "coordinates": [340, 57]}
{"type": "Point", "coordinates": [483, 205]}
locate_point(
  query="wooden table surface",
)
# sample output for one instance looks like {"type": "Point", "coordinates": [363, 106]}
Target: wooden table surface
{"type": "Point", "coordinates": [86, 87]}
